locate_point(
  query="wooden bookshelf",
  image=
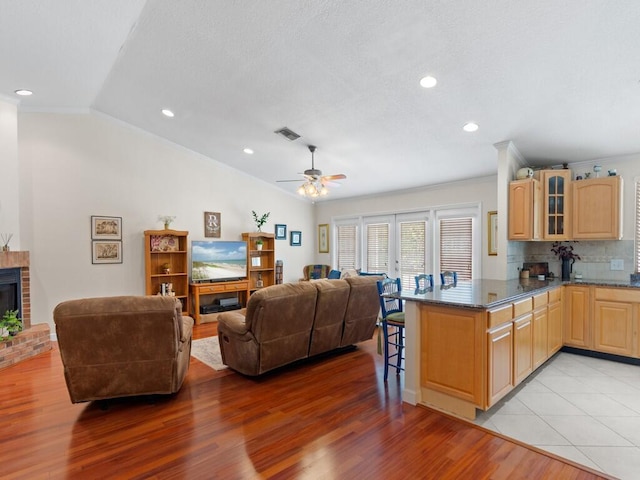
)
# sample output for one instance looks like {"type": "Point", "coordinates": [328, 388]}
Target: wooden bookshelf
{"type": "Point", "coordinates": [261, 264]}
{"type": "Point", "coordinates": [167, 248]}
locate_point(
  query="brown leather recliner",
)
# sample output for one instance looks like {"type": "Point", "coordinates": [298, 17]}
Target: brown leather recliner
{"type": "Point", "coordinates": [123, 346]}
{"type": "Point", "coordinates": [289, 322]}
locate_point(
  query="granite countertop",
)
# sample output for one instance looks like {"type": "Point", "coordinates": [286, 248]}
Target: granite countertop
{"type": "Point", "coordinates": [491, 293]}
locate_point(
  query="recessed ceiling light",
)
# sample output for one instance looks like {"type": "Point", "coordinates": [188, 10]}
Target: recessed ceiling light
{"type": "Point", "coordinates": [470, 127]}
{"type": "Point", "coordinates": [248, 151]}
{"type": "Point", "coordinates": [24, 93]}
{"type": "Point", "coordinates": [168, 113]}
{"type": "Point", "coordinates": [428, 82]}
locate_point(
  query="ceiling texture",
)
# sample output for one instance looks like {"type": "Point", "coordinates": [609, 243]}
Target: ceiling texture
{"type": "Point", "coordinates": [559, 79]}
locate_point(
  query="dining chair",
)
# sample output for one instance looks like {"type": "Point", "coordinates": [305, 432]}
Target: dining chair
{"type": "Point", "coordinates": [392, 324]}
{"type": "Point", "coordinates": [424, 281]}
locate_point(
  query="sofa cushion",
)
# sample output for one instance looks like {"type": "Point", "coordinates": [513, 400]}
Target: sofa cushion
{"type": "Point", "coordinates": [331, 305]}
{"type": "Point", "coordinates": [363, 309]}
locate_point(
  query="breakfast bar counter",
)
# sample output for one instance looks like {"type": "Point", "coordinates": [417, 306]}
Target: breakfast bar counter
{"type": "Point", "coordinates": [470, 343]}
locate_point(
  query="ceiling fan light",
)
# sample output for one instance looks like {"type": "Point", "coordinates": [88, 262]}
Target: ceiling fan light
{"type": "Point", "coordinates": [309, 188]}
{"type": "Point", "coordinates": [323, 190]}
{"type": "Point", "coordinates": [301, 190]}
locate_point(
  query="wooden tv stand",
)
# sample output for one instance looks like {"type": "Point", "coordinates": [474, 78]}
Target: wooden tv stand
{"type": "Point", "coordinates": [239, 287]}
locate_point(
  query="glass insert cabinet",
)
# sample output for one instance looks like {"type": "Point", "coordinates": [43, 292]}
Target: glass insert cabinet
{"type": "Point", "coordinates": [557, 204]}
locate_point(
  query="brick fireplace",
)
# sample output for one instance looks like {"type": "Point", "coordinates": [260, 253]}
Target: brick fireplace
{"type": "Point", "coordinates": [33, 339]}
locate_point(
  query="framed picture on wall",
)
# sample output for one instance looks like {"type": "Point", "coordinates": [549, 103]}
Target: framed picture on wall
{"type": "Point", "coordinates": [106, 228]}
{"type": "Point", "coordinates": [281, 231]}
{"type": "Point", "coordinates": [296, 239]}
{"type": "Point", "coordinates": [212, 224]}
{"type": "Point", "coordinates": [323, 238]}
{"type": "Point", "coordinates": [106, 251]}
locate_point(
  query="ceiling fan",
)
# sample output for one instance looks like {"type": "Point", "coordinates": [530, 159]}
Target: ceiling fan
{"type": "Point", "coordinates": [315, 184]}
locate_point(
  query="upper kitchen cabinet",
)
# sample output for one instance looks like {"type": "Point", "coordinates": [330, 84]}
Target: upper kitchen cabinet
{"type": "Point", "coordinates": [597, 208]}
{"type": "Point", "coordinates": [556, 221]}
{"type": "Point", "coordinates": [525, 205]}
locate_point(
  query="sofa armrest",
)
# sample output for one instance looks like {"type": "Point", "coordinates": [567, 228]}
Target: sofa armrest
{"type": "Point", "coordinates": [187, 329]}
{"type": "Point", "coordinates": [234, 321]}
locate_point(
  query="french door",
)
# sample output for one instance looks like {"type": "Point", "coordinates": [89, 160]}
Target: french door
{"type": "Point", "coordinates": [398, 246]}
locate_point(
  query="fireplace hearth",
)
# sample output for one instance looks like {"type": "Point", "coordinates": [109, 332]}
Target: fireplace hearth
{"type": "Point", "coordinates": [15, 294]}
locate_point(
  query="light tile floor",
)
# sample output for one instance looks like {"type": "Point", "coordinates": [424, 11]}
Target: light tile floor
{"type": "Point", "coordinates": [581, 408]}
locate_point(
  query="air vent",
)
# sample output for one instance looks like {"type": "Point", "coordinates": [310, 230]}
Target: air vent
{"type": "Point", "coordinates": [288, 134]}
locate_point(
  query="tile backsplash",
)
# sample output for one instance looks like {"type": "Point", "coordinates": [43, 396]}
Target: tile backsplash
{"type": "Point", "coordinates": [595, 257]}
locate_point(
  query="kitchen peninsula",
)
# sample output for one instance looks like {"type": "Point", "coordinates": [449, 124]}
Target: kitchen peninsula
{"type": "Point", "coordinates": [469, 344]}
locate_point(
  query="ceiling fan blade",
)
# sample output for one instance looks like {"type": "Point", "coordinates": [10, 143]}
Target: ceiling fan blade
{"type": "Point", "coordinates": [330, 178]}
{"type": "Point", "coordinates": [298, 180]}
{"type": "Point", "coordinates": [331, 184]}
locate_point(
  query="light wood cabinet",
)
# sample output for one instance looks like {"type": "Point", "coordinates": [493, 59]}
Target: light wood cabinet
{"type": "Point", "coordinates": [555, 321]}
{"type": "Point", "coordinates": [500, 355]}
{"type": "Point", "coordinates": [261, 261]}
{"type": "Point", "coordinates": [166, 262]}
{"type": "Point", "coordinates": [522, 348]}
{"type": "Point", "coordinates": [615, 320]}
{"type": "Point", "coordinates": [597, 208]}
{"type": "Point", "coordinates": [556, 221]}
{"type": "Point", "coordinates": [540, 325]}
{"type": "Point", "coordinates": [525, 205]}
{"type": "Point", "coordinates": [577, 316]}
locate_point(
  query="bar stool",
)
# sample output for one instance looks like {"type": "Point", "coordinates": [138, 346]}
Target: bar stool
{"type": "Point", "coordinates": [448, 278]}
{"type": "Point", "coordinates": [424, 281]}
{"type": "Point", "coordinates": [392, 324]}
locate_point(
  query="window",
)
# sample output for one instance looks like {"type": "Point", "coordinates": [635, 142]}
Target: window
{"type": "Point", "coordinates": [456, 246]}
{"type": "Point", "coordinates": [413, 251]}
{"type": "Point", "coordinates": [406, 244]}
{"type": "Point", "coordinates": [346, 246]}
{"type": "Point", "coordinates": [377, 248]}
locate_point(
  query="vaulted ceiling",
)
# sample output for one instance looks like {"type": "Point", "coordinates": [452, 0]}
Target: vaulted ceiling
{"type": "Point", "coordinates": [559, 79]}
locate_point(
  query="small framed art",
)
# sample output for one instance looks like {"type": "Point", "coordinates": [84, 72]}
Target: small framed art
{"type": "Point", "coordinates": [212, 224]}
{"type": "Point", "coordinates": [106, 251]}
{"type": "Point", "coordinates": [106, 228]}
{"type": "Point", "coordinates": [295, 239]}
{"type": "Point", "coordinates": [281, 231]}
{"type": "Point", "coordinates": [323, 238]}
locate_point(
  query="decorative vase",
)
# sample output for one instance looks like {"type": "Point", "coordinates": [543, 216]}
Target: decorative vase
{"type": "Point", "coordinates": [567, 263]}
{"type": "Point", "coordinates": [5, 248]}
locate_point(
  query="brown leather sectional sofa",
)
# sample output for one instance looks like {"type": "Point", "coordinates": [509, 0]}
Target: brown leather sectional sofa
{"type": "Point", "coordinates": [289, 322]}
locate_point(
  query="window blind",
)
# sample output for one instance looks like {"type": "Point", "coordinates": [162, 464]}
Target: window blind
{"type": "Point", "coordinates": [412, 251]}
{"type": "Point", "coordinates": [378, 247]}
{"type": "Point", "coordinates": [346, 252]}
{"type": "Point", "coordinates": [456, 246]}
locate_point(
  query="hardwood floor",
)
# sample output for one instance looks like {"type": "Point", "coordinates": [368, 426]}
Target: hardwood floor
{"type": "Point", "coordinates": [330, 418]}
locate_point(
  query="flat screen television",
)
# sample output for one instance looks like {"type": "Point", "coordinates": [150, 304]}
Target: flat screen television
{"type": "Point", "coordinates": [217, 260]}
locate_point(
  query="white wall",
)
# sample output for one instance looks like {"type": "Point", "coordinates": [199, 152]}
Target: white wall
{"type": "Point", "coordinates": [477, 190]}
{"type": "Point", "coordinates": [9, 167]}
{"type": "Point", "coordinates": [73, 166]}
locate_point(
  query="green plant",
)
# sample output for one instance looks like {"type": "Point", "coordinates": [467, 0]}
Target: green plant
{"type": "Point", "coordinates": [10, 323]}
{"type": "Point", "coordinates": [565, 251]}
{"type": "Point", "coordinates": [259, 241]}
{"type": "Point", "coordinates": [260, 221]}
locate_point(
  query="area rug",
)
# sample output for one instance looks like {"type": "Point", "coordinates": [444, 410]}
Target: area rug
{"type": "Point", "coordinates": [207, 350]}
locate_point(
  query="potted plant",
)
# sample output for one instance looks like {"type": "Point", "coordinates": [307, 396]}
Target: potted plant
{"type": "Point", "coordinates": [260, 220]}
{"type": "Point", "coordinates": [166, 268]}
{"type": "Point", "coordinates": [567, 256]}
{"type": "Point", "coordinates": [10, 324]}
{"type": "Point", "coordinates": [259, 243]}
